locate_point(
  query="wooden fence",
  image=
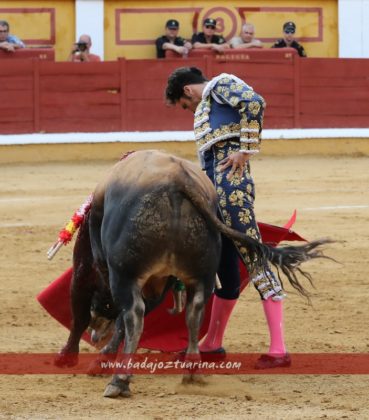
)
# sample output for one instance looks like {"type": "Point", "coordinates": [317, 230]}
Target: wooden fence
{"type": "Point", "coordinates": [128, 95]}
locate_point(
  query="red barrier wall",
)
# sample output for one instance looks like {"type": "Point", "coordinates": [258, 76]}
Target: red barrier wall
{"type": "Point", "coordinates": [128, 95]}
{"type": "Point", "coordinates": [334, 92]}
{"type": "Point", "coordinates": [40, 53]}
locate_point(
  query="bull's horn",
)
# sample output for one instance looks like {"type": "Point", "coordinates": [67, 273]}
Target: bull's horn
{"type": "Point", "coordinates": [218, 284]}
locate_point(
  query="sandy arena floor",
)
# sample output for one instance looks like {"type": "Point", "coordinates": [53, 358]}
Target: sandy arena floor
{"type": "Point", "coordinates": [332, 200]}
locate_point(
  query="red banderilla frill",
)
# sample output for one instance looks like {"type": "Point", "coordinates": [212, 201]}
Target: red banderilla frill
{"type": "Point", "coordinates": [66, 234]}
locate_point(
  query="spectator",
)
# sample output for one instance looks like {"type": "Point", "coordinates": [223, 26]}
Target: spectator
{"type": "Point", "coordinates": [208, 39]}
{"type": "Point", "coordinates": [288, 41]}
{"type": "Point", "coordinates": [8, 42]}
{"type": "Point", "coordinates": [81, 51]}
{"type": "Point", "coordinates": [171, 40]}
{"type": "Point", "coordinates": [246, 38]}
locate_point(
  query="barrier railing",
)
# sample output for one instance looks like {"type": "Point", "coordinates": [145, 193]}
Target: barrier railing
{"type": "Point", "coordinates": [24, 53]}
{"type": "Point", "coordinates": [128, 95]}
{"type": "Point", "coordinates": [235, 54]}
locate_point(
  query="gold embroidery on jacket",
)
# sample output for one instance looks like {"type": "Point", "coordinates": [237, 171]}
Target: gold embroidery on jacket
{"type": "Point", "coordinates": [248, 131]}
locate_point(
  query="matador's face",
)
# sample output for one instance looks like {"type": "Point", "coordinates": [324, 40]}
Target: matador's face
{"type": "Point", "coordinates": [192, 96]}
{"type": "Point", "coordinates": [188, 103]}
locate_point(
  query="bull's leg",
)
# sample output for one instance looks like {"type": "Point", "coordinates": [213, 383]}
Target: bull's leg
{"type": "Point", "coordinates": [130, 321]}
{"type": "Point", "coordinates": [113, 346]}
{"type": "Point", "coordinates": [196, 299]}
{"type": "Point", "coordinates": [81, 296]}
{"type": "Point", "coordinates": [82, 289]}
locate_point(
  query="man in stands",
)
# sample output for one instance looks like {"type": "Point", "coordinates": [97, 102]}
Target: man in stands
{"type": "Point", "coordinates": [8, 42]}
{"type": "Point", "coordinates": [207, 39]}
{"type": "Point", "coordinates": [171, 41]}
{"type": "Point", "coordinates": [81, 51]}
{"type": "Point", "coordinates": [288, 41]}
{"type": "Point", "coordinates": [247, 38]}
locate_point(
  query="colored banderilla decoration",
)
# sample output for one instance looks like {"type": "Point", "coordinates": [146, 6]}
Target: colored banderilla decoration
{"type": "Point", "coordinates": [66, 234]}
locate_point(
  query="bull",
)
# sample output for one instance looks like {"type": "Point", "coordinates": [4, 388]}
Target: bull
{"type": "Point", "coordinates": [154, 216]}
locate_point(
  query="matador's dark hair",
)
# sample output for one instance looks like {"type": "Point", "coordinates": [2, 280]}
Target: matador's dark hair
{"type": "Point", "coordinates": [180, 78]}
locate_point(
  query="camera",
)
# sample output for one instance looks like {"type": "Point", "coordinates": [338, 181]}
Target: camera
{"type": "Point", "coordinates": [82, 46]}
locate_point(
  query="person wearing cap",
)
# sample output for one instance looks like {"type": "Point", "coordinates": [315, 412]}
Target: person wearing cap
{"type": "Point", "coordinates": [171, 40]}
{"type": "Point", "coordinates": [288, 40]}
{"type": "Point", "coordinates": [247, 38]}
{"type": "Point", "coordinates": [228, 120]}
{"type": "Point", "coordinates": [208, 39]}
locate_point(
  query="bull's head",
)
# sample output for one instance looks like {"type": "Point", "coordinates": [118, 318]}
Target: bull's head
{"type": "Point", "coordinates": [103, 315]}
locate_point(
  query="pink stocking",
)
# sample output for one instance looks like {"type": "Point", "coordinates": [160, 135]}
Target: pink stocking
{"type": "Point", "coordinates": [220, 313]}
{"type": "Point", "coordinates": [274, 314]}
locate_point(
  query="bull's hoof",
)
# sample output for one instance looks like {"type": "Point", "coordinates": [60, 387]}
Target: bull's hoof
{"type": "Point", "coordinates": [114, 391]}
{"type": "Point", "coordinates": [194, 379]}
{"type": "Point", "coordinates": [66, 359]}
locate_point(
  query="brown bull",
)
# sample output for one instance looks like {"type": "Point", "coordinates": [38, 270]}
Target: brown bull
{"type": "Point", "coordinates": [153, 217]}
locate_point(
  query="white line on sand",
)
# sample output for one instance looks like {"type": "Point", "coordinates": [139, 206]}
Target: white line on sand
{"type": "Point", "coordinates": [32, 199]}
{"type": "Point", "coordinates": [323, 208]}
{"type": "Point", "coordinates": [22, 224]}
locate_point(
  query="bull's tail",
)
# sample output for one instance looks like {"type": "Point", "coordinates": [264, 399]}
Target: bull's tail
{"type": "Point", "coordinates": [286, 259]}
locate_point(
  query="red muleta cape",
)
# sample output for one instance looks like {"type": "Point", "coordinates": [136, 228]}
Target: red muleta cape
{"type": "Point", "coordinates": [162, 331]}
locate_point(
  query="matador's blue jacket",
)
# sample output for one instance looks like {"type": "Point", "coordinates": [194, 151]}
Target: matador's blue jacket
{"type": "Point", "coordinates": [229, 109]}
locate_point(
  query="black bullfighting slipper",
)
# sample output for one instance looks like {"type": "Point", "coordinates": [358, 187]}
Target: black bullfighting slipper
{"type": "Point", "coordinates": [208, 355]}
{"type": "Point", "coordinates": [217, 351]}
{"type": "Point", "coordinates": [213, 355]}
{"type": "Point", "coordinates": [266, 361]}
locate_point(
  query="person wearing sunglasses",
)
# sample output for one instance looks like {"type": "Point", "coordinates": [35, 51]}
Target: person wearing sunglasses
{"type": "Point", "coordinates": [288, 40]}
{"type": "Point", "coordinates": [247, 38]}
{"type": "Point", "coordinates": [208, 39]}
{"type": "Point", "coordinates": [8, 42]}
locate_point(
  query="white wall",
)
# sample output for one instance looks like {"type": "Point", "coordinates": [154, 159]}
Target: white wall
{"type": "Point", "coordinates": [90, 21]}
{"type": "Point", "coordinates": [353, 28]}
{"type": "Point", "coordinates": [365, 28]}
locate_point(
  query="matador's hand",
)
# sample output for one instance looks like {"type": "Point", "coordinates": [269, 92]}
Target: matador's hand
{"type": "Point", "coordinates": [238, 162]}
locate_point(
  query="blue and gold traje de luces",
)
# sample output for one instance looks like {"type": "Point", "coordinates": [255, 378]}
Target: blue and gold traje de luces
{"type": "Point", "coordinates": [229, 109]}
